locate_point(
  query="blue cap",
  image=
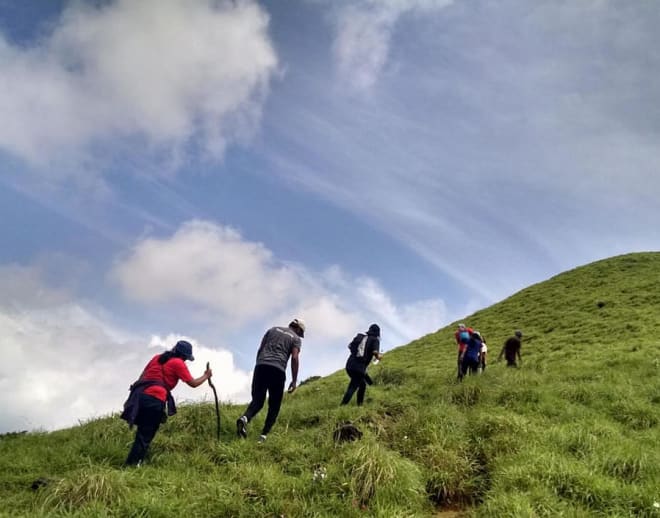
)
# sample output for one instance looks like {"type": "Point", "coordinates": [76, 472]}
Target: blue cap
{"type": "Point", "coordinates": [184, 349]}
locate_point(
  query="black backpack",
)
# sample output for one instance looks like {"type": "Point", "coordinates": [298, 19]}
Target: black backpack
{"type": "Point", "coordinates": [358, 346]}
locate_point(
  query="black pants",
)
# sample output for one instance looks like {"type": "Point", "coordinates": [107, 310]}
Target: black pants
{"type": "Point", "coordinates": [359, 382]}
{"type": "Point", "coordinates": [266, 378]}
{"type": "Point", "coordinates": [148, 421]}
{"type": "Point", "coordinates": [468, 365]}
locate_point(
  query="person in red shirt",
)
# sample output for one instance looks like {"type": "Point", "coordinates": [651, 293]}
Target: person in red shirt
{"type": "Point", "coordinates": [156, 382]}
{"type": "Point", "coordinates": [462, 336]}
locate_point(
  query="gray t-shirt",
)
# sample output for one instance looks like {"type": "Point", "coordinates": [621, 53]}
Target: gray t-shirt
{"type": "Point", "coordinates": [276, 347]}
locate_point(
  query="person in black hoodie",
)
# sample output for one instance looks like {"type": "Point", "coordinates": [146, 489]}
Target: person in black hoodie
{"type": "Point", "coordinates": [364, 347]}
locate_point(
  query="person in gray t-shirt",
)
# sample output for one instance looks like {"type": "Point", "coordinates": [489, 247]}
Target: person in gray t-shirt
{"type": "Point", "coordinates": [277, 346]}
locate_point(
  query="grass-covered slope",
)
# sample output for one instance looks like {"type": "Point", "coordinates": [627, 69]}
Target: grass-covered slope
{"type": "Point", "coordinates": [574, 432]}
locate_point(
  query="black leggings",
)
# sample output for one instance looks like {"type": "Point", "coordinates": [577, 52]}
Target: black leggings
{"type": "Point", "coordinates": [148, 421]}
{"type": "Point", "coordinates": [266, 378]}
{"type": "Point", "coordinates": [359, 381]}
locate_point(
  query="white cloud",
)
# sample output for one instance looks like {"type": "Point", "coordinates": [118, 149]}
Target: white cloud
{"type": "Point", "coordinates": [211, 267]}
{"type": "Point", "coordinates": [208, 268]}
{"type": "Point", "coordinates": [158, 72]}
{"type": "Point", "coordinates": [63, 364]}
{"type": "Point", "coordinates": [363, 34]}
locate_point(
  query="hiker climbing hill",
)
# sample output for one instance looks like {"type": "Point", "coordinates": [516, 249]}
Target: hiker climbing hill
{"type": "Point", "coordinates": [147, 401]}
{"type": "Point", "coordinates": [511, 350]}
{"type": "Point", "coordinates": [471, 356]}
{"type": "Point", "coordinates": [277, 346]}
{"type": "Point", "coordinates": [364, 348]}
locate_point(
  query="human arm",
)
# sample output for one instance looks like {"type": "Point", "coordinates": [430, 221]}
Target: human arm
{"type": "Point", "coordinates": [375, 352]}
{"type": "Point", "coordinates": [295, 363]}
{"type": "Point", "coordinates": [196, 382]}
{"type": "Point", "coordinates": [373, 349]}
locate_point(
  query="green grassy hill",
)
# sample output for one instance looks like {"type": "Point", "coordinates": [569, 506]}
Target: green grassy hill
{"type": "Point", "coordinates": [574, 432]}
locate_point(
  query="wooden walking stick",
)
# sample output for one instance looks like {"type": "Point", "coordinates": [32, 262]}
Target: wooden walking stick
{"type": "Point", "coordinates": [217, 408]}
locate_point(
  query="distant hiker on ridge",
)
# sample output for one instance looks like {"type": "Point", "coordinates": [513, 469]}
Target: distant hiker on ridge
{"type": "Point", "coordinates": [277, 345]}
{"type": "Point", "coordinates": [146, 403]}
{"type": "Point", "coordinates": [511, 350]}
{"type": "Point", "coordinates": [364, 347]}
{"type": "Point", "coordinates": [471, 355]}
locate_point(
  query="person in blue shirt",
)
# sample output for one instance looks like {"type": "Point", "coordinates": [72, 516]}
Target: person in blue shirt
{"type": "Point", "coordinates": [470, 358]}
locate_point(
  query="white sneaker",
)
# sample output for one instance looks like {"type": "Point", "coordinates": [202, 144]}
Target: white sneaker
{"type": "Point", "coordinates": [262, 438]}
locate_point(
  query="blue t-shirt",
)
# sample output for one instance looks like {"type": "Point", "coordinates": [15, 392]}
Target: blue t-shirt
{"type": "Point", "coordinates": [473, 349]}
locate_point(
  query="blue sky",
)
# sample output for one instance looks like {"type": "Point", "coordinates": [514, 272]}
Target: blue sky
{"type": "Point", "coordinates": [210, 169]}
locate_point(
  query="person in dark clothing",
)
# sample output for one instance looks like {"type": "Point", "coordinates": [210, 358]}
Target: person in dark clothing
{"type": "Point", "coordinates": [364, 347]}
{"type": "Point", "coordinates": [157, 380]}
{"type": "Point", "coordinates": [277, 345]}
{"type": "Point", "coordinates": [470, 359]}
{"type": "Point", "coordinates": [511, 350]}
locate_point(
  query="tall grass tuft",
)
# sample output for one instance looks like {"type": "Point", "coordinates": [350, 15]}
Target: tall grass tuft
{"type": "Point", "coordinates": [376, 474]}
{"type": "Point", "coordinates": [88, 486]}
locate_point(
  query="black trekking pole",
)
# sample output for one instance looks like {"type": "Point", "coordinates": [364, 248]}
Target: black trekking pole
{"type": "Point", "coordinates": [217, 408]}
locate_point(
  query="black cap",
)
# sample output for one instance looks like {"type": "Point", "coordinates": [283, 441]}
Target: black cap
{"type": "Point", "coordinates": [184, 349]}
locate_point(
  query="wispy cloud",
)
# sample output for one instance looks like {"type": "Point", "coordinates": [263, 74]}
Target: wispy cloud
{"type": "Point", "coordinates": [509, 142]}
{"type": "Point", "coordinates": [363, 34]}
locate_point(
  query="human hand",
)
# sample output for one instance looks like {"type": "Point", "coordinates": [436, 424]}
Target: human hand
{"type": "Point", "coordinates": [292, 387]}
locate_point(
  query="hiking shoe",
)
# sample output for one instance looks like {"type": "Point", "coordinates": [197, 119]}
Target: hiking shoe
{"type": "Point", "coordinates": [262, 438]}
{"type": "Point", "coordinates": [241, 427]}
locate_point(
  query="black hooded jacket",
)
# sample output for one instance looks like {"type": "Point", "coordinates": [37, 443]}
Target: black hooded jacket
{"type": "Point", "coordinates": [362, 353]}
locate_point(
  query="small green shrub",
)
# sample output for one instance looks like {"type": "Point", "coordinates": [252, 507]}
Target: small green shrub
{"type": "Point", "coordinates": [390, 376]}
{"type": "Point", "coordinates": [636, 415]}
{"type": "Point", "coordinates": [466, 395]}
